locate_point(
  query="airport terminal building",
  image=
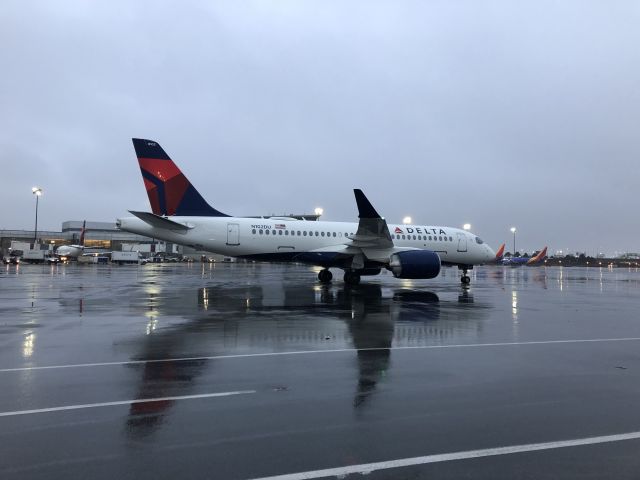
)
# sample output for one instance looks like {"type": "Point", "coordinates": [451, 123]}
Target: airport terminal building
{"type": "Point", "coordinates": [99, 236]}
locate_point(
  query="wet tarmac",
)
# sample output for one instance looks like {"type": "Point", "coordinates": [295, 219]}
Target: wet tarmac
{"type": "Point", "coordinates": [248, 371]}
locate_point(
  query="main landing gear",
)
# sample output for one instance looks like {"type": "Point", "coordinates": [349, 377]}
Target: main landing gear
{"type": "Point", "coordinates": [325, 275]}
{"type": "Point", "coordinates": [351, 277]}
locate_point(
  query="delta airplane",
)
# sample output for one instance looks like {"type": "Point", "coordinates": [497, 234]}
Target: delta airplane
{"type": "Point", "coordinates": [181, 215]}
{"type": "Point", "coordinates": [73, 251]}
{"type": "Point", "coordinates": [535, 260]}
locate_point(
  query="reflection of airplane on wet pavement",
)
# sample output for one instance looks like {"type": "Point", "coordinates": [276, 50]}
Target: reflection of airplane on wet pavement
{"type": "Point", "coordinates": [181, 215]}
{"type": "Point", "coordinates": [535, 260]}
{"type": "Point", "coordinates": [224, 319]}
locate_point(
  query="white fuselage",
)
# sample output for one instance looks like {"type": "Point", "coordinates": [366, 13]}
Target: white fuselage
{"type": "Point", "coordinates": [263, 238]}
{"type": "Point", "coordinates": [72, 251]}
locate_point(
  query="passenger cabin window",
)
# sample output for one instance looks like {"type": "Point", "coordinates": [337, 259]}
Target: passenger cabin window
{"type": "Point", "coordinates": [253, 231]}
{"type": "Point", "coordinates": [261, 232]}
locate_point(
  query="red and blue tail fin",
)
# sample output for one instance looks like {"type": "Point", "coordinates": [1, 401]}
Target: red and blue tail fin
{"type": "Point", "coordinates": [170, 192]}
{"type": "Point", "coordinates": [500, 253]}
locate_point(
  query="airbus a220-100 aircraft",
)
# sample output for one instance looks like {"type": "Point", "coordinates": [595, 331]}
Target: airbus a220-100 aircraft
{"type": "Point", "coordinates": [180, 215]}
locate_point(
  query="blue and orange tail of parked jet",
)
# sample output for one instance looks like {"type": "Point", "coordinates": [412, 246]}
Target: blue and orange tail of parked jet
{"type": "Point", "coordinates": [169, 191]}
{"type": "Point", "coordinates": [538, 258]}
{"type": "Point", "coordinates": [516, 261]}
{"type": "Point", "coordinates": [500, 253]}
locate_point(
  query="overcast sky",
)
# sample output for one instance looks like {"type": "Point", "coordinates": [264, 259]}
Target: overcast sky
{"type": "Point", "coordinates": [496, 113]}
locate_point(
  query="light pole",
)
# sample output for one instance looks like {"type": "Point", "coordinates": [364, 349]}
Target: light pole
{"type": "Point", "coordinates": [513, 230]}
{"type": "Point", "coordinates": [406, 220]}
{"type": "Point", "coordinates": [318, 211]}
{"type": "Point", "coordinates": [37, 191]}
{"type": "Point", "coordinates": [467, 226]}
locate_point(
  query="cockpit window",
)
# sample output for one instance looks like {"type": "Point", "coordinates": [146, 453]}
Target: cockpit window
{"type": "Point", "coordinates": [479, 241]}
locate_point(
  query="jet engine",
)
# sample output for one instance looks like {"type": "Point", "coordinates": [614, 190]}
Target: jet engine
{"type": "Point", "coordinates": [415, 264]}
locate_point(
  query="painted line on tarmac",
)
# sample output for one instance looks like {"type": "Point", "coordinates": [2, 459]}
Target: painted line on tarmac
{"type": "Point", "coordinates": [124, 402]}
{"type": "Point", "coordinates": [367, 468]}
{"type": "Point", "coordinates": [311, 352]}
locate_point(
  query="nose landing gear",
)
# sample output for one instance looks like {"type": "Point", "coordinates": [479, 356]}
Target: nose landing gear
{"type": "Point", "coordinates": [465, 279]}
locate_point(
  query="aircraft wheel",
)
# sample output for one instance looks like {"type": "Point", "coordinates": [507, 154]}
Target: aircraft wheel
{"type": "Point", "coordinates": [351, 278]}
{"type": "Point", "coordinates": [325, 276]}
{"type": "Point", "coordinates": [465, 280]}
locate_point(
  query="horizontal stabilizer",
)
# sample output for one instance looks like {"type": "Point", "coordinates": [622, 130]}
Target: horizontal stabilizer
{"type": "Point", "coordinates": [160, 222]}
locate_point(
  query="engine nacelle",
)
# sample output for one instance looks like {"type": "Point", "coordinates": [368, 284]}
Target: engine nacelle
{"type": "Point", "coordinates": [415, 264]}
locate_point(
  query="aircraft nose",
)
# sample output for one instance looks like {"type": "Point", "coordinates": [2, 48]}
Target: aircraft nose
{"type": "Point", "coordinates": [491, 254]}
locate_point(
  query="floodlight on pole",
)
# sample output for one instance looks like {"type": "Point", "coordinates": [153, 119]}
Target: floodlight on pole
{"type": "Point", "coordinates": [37, 191]}
{"type": "Point", "coordinates": [513, 230]}
{"type": "Point", "coordinates": [406, 220]}
{"type": "Point", "coordinates": [318, 211]}
{"type": "Point", "coordinates": [467, 226]}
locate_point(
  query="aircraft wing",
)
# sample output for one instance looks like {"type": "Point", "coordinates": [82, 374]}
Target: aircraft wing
{"type": "Point", "coordinates": [371, 242]}
{"type": "Point", "coordinates": [372, 228]}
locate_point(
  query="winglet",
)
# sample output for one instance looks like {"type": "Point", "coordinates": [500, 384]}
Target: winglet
{"type": "Point", "coordinates": [365, 209]}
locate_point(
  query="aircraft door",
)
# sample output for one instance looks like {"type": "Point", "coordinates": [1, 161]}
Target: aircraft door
{"type": "Point", "coordinates": [233, 234]}
{"type": "Point", "coordinates": [462, 242]}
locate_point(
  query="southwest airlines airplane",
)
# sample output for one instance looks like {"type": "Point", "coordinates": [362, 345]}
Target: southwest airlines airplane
{"type": "Point", "coordinates": [535, 260]}
{"type": "Point", "coordinates": [180, 215]}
